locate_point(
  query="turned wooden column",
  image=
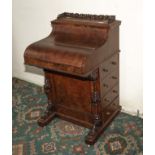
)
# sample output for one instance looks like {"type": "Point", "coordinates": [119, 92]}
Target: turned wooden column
{"type": "Point", "coordinates": [50, 111]}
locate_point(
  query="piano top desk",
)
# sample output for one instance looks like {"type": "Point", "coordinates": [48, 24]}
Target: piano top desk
{"type": "Point", "coordinates": [80, 59]}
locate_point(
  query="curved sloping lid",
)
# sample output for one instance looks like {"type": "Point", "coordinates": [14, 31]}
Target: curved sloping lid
{"type": "Point", "coordinates": [46, 54]}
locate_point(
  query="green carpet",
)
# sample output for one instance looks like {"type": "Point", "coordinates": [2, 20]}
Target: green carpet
{"type": "Point", "coordinates": [123, 137]}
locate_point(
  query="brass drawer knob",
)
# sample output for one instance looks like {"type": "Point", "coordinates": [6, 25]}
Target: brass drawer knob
{"type": "Point", "coordinates": [113, 63]}
{"type": "Point", "coordinates": [107, 100]}
{"type": "Point", "coordinates": [114, 91]}
{"type": "Point", "coordinates": [114, 77]}
{"type": "Point", "coordinates": [105, 70]}
{"type": "Point", "coordinates": [105, 85]}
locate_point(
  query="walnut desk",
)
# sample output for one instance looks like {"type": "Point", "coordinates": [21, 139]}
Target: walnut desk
{"type": "Point", "coordinates": [80, 59]}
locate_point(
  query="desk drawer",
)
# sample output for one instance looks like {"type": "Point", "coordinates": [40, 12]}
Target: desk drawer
{"type": "Point", "coordinates": [109, 66]}
{"type": "Point", "coordinates": [110, 96]}
{"type": "Point", "coordinates": [109, 82]}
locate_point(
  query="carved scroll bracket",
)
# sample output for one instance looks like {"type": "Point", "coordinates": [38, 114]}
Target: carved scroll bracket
{"type": "Point", "coordinates": [48, 114]}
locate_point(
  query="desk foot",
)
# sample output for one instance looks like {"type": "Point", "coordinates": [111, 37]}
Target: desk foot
{"type": "Point", "coordinates": [47, 117]}
{"type": "Point", "coordinates": [97, 130]}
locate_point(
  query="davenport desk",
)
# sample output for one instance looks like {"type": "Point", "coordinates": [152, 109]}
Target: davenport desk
{"type": "Point", "coordinates": [80, 59]}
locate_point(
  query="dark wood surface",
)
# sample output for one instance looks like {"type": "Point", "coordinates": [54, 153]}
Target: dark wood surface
{"type": "Point", "coordinates": [80, 59]}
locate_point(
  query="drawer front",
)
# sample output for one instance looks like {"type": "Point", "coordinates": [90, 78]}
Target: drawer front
{"type": "Point", "coordinates": [111, 96]}
{"type": "Point", "coordinates": [116, 101]}
{"type": "Point", "coordinates": [109, 110]}
{"type": "Point", "coordinates": [109, 82]}
{"type": "Point", "coordinates": [109, 65]}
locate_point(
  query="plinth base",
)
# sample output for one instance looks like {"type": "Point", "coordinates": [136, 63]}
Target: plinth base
{"type": "Point", "coordinates": [46, 119]}
{"type": "Point", "coordinates": [94, 132]}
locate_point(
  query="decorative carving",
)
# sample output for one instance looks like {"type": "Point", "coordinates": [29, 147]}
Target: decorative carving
{"type": "Point", "coordinates": [95, 97]}
{"type": "Point", "coordinates": [93, 76]}
{"type": "Point", "coordinates": [48, 114]}
{"type": "Point", "coordinates": [95, 109]}
{"type": "Point", "coordinates": [107, 18]}
{"type": "Point", "coordinates": [48, 89]}
{"type": "Point", "coordinates": [47, 86]}
{"type": "Point", "coordinates": [93, 133]}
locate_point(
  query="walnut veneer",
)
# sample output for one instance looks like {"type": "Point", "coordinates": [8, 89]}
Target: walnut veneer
{"type": "Point", "coordinates": [80, 59]}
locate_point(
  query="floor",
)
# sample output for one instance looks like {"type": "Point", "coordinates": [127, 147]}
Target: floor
{"type": "Point", "coordinates": [123, 137]}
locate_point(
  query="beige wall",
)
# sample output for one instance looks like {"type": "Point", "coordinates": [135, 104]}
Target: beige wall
{"type": "Point", "coordinates": [31, 22]}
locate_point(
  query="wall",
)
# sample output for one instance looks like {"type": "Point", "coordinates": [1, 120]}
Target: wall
{"type": "Point", "coordinates": [31, 22]}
